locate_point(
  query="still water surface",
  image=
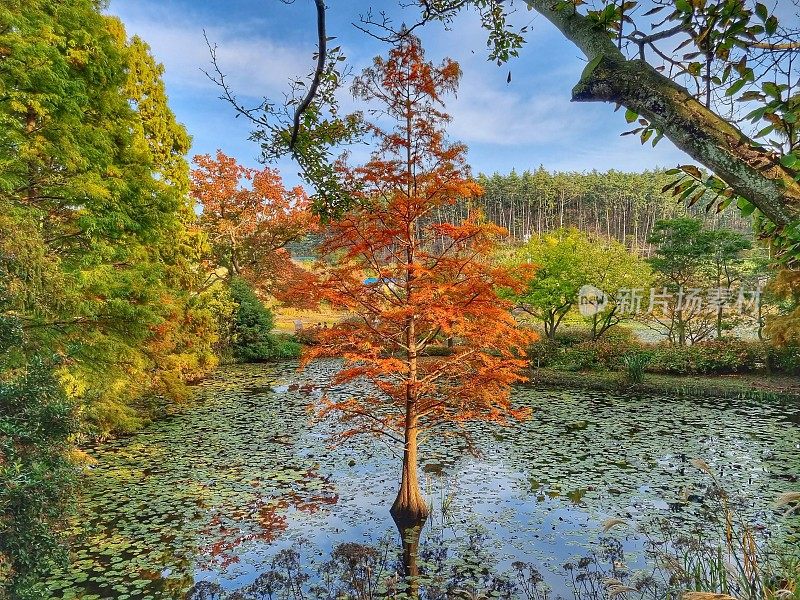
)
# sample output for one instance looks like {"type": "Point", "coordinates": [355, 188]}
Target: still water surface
{"type": "Point", "coordinates": [244, 484]}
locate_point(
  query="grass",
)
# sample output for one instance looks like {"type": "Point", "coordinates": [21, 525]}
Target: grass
{"type": "Point", "coordinates": [764, 387]}
{"type": "Point", "coordinates": [635, 363]}
{"type": "Point", "coordinates": [285, 318]}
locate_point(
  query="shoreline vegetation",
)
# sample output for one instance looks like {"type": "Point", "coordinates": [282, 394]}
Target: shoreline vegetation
{"type": "Point", "coordinates": [728, 368]}
{"type": "Point", "coordinates": [731, 386]}
{"type": "Point", "coordinates": [757, 386]}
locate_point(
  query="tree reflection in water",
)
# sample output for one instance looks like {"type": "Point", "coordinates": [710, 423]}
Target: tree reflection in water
{"type": "Point", "coordinates": [439, 568]}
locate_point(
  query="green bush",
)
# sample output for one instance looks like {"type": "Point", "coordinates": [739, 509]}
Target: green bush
{"type": "Point", "coordinates": [710, 357]}
{"type": "Point", "coordinates": [287, 346]}
{"type": "Point", "coordinates": [581, 357]}
{"type": "Point", "coordinates": [602, 354]}
{"type": "Point", "coordinates": [669, 359]}
{"type": "Point", "coordinates": [251, 333]}
{"type": "Point", "coordinates": [543, 352]}
{"type": "Point", "coordinates": [785, 360]}
{"type": "Point", "coordinates": [567, 337]}
{"type": "Point", "coordinates": [37, 478]}
{"type": "Point", "coordinates": [573, 352]}
{"type": "Point", "coordinates": [252, 339]}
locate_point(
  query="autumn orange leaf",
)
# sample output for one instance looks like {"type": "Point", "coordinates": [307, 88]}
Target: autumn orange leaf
{"type": "Point", "coordinates": [249, 218]}
{"type": "Point", "coordinates": [412, 285]}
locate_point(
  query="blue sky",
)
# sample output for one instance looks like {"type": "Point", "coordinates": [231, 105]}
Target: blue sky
{"type": "Point", "coordinates": [262, 43]}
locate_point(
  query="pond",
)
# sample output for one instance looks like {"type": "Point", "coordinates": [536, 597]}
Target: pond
{"type": "Point", "coordinates": [242, 496]}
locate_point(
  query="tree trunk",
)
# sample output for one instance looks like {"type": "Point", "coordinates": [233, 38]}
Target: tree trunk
{"type": "Point", "coordinates": [409, 506]}
{"type": "Point", "coordinates": [549, 327]}
{"type": "Point", "coordinates": [681, 325]}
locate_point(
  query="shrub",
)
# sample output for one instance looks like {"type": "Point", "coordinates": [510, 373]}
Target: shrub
{"type": "Point", "coordinates": [785, 359]}
{"type": "Point", "coordinates": [710, 357]}
{"type": "Point", "coordinates": [287, 347]}
{"type": "Point", "coordinates": [581, 357]}
{"type": "Point", "coordinates": [37, 478]}
{"type": "Point", "coordinates": [573, 350]}
{"type": "Point", "coordinates": [568, 337]}
{"type": "Point", "coordinates": [252, 340]}
{"type": "Point", "coordinates": [308, 336]}
{"type": "Point", "coordinates": [543, 352]}
{"type": "Point", "coordinates": [605, 354]}
{"type": "Point", "coordinates": [621, 333]}
{"type": "Point", "coordinates": [669, 359]}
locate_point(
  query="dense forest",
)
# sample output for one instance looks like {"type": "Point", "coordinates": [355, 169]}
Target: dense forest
{"type": "Point", "coordinates": [615, 204]}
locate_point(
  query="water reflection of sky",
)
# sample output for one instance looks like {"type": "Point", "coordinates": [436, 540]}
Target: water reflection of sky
{"type": "Point", "coordinates": [244, 475]}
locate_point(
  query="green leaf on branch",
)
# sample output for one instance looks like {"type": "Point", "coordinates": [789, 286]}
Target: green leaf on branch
{"type": "Point", "coordinates": [736, 87]}
{"type": "Point", "coordinates": [771, 25]}
{"type": "Point", "coordinates": [745, 207]}
{"type": "Point", "coordinates": [772, 89]}
{"type": "Point", "coordinates": [791, 161]}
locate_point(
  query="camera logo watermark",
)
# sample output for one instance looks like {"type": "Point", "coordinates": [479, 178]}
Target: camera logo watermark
{"type": "Point", "coordinates": [591, 300]}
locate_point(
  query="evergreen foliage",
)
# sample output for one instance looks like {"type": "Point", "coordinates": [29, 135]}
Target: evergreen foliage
{"type": "Point", "coordinates": [251, 336]}
{"type": "Point", "coordinates": [37, 473]}
{"type": "Point", "coordinates": [252, 339]}
{"type": "Point", "coordinates": [614, 204]}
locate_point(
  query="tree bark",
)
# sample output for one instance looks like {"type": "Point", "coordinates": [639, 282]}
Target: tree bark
{"type": "Point", "coordinates": [752, 172]}
{"type": "Point", "coordinates": [409, 506]}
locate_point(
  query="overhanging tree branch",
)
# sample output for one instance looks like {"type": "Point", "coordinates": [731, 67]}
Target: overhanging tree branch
{"type": "Point", "coordinates": [322, 54]}
{"type": "Point", "coordinates": [750, 170]}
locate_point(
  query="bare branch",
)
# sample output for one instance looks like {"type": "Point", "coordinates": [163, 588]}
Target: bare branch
{"type": "Point", "coordinates": [322, 54]}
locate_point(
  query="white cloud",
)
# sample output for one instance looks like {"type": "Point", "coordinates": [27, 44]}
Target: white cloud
{"type": "Point", "coordinates": [254, 66]}
{"type": "Point", "coordinates": [522, 125]}
{"type": "Point", "coordinates": [495, 116]}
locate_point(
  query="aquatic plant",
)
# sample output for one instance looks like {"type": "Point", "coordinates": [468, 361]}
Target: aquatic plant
{"type": "Point", "coordinates": [634, 364]}
{"type": "Point", "coordinates": [214, 493]}
{"type": "Point", "coordinates": [725, 556]}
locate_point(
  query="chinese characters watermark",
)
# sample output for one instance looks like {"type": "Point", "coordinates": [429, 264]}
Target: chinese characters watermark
{"type": "Point", "coordinates": [633, 301]}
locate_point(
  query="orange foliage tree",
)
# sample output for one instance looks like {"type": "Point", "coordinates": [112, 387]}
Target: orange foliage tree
{"type": "Point", "coordinates": [411, 284]}
{"type": "Point", "coordinates": [249, 218]}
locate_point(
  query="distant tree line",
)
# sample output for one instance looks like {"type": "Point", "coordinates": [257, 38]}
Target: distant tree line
{"type": "Point", "coordinates": [618, 205]}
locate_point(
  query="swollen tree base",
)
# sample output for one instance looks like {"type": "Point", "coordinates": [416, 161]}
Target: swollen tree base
{"type": "Point", "coordinates": [409, 508]}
